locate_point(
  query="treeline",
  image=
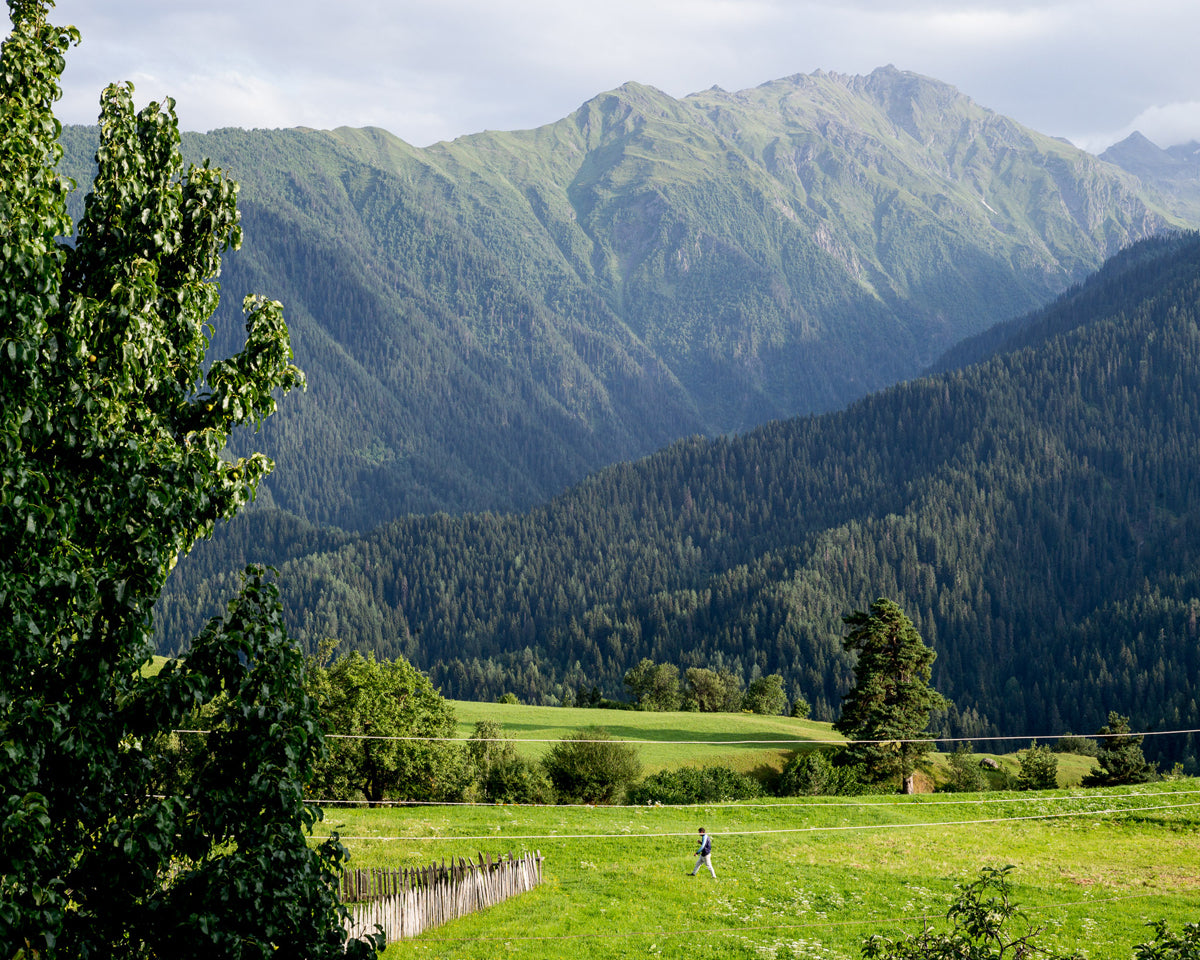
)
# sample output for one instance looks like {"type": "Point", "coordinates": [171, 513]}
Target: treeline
{"type": "Point", "coordinates": [1035, 514]}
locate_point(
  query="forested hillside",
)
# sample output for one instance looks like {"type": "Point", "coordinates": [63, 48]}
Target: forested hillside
{"type": "Point", "coordinates": [1036, 514]}
{"type": "Point", "coordinates": [486, 321]}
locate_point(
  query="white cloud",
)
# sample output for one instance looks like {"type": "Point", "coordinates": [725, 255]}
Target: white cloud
{"type": "Point", "coordinates": [433, 69]}
{"type": "Point", "coordinates": [1165, 125]}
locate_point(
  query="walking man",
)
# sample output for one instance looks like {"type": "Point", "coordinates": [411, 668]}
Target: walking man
{"type": "Point", "coordinates": [704, 854]}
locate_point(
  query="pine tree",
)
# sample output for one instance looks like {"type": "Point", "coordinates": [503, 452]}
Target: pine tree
{"type": "Point", "coordinates": [1120, 759]}
{"type": "Point", "coordinates": [891, 700]}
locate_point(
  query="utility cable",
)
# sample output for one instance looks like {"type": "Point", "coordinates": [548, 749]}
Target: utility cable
{"type": "Point", "coordinates": [734, 743]}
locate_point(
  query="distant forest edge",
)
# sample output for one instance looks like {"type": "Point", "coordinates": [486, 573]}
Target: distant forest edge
{"type": "Point", "coordinates": [485, 322]}
{"type": "Point", "coordinates": [1037, 514]}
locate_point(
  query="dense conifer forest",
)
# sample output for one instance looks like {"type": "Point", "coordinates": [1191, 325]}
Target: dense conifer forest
{"type": "Point", "coordinates": [1036, 514]}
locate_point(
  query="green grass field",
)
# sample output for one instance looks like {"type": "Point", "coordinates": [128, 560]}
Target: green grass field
{"type": "Point", "coordinates": [680, 737]}
{"type": "Point", "coordinates": [805, 878]}
{"type": "Point", "coordinates": [684, 739]}
{"type": "Point", "coordinates": [810, 877]}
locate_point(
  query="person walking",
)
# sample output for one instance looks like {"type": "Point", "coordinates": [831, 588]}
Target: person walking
{"type": "Point", "coordinates": [704, 854]}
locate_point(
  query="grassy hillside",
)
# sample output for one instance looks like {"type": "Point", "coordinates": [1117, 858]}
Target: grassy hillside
{"type": "Point", "coordinates": [664, 730]}
{"type": "Point", "coordinates": [687, 739]}
{"type": "Point", "coordinates": [809, 878]}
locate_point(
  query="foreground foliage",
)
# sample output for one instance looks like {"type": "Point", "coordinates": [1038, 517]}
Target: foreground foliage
{"type": "Point", "coordinates": [111, 433]}
{"type": "Point", "coordinates": [981, 919]}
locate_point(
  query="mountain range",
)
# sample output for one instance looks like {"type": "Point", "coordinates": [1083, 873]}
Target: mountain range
{"type": "Point", "coordinates": [486, 321]}
{"type": "Point", "coordinates": [496, 329]}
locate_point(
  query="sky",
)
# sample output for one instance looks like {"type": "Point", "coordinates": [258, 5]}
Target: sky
{"type": "Point", "coordinates": [1092, 71]}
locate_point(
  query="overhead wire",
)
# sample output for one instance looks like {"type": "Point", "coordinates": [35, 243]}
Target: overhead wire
{"type": "Point", "coordinates": [734, 743]}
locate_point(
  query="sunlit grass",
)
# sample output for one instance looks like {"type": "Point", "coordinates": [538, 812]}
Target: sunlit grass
{"type": "Point", "coordinates": [679, 735]}
{"type": "Point", "coordinates": [807, 878]}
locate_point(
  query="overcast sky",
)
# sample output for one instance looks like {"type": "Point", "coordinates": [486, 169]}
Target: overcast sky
{"type": "Point", "coordinates": [427, 70]}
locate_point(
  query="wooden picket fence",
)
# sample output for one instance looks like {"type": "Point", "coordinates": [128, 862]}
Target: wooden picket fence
{"type": "Point", "coordinates": [408, 902]}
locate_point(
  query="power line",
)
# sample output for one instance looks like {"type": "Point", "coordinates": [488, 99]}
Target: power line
{"type": "Point", "coordinates": [839, 828]}
{"type": "Point", "coordinates": [733, 743]}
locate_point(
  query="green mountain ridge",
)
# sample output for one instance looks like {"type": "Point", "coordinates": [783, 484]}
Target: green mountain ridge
{"type": "Point", "coordinates": [486, 321]}
{"type": "Point", "coordinates": [1035, 513]}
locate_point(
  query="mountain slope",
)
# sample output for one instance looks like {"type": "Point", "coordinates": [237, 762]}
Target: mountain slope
{"type": "Point", "coordinates": [1173, 172]}
{"type": "Point", "coordinates": [483, 322]}
{"type": "Point", "coordinates": [1037, 514]}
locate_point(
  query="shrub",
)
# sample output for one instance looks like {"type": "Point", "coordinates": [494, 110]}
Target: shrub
{"type": "Point", "coordinates": [1082, 746]}
{"type": "Point", "coordinates": [1168, 946]}
{"type": "Point", "coordinates": [695, 785]}
{"type": "Point", "coordinates": [499, 774]}
{"type": "Point", "coordinates": [591, 767]}
{"type": "Point", "coordinates": [765, 696]}
{"type": "Point", "coordinates": [1039, 768]}
{"type": "Point", "coordinates": [981, 918]}
{"type": "Point", "coordinates": [812, 774]}
{"type": "Point", "coordinates": [966, 775]}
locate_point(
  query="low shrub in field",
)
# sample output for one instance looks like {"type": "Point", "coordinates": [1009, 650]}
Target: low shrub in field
{"type": "Point", "coordinates": [965, 775]}
{"type": "Point", "coordinates": [1167, 946]}
{"type": "Point", "coordinates": [1039, 769]}
{"type": "Point", "coordinates": [814, 774]}
{"type": "Point", "coordinates": [981, 919]}
{"type": "Point", "coordinates": [590, 767]}
{"type": "Point", "coordinates": [1082, 746]}
{"type": "Point", "coordinates": [695, 785]}
{"type": "Point", "coordinates": [498, 774]}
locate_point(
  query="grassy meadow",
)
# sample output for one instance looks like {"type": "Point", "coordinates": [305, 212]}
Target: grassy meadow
{"type": "Point", "coordinates": [805, 877]}
{"type": "Point", "coordinates": [802, 878]}
{"type": "Point", "coordinates": [679, 738]}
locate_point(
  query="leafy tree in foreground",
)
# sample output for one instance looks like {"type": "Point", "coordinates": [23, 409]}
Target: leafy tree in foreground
{"type": "Point", "coordinates": [891, 699]}
{"type": "Point", "coordinates": [981, 919]}
{"type": "Point", "coordinates": [110, 468]}
{"type": "Point", "coordinates": [1119, 759]}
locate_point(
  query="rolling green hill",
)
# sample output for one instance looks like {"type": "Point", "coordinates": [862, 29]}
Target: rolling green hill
{"type": "Point", "coordinates": [486, 321]}
{"type": "Point", "coordinates": [1036, 514]}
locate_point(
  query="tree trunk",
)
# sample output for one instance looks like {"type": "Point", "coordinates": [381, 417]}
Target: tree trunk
{"type": "Point", "coordinates": [906, 784]}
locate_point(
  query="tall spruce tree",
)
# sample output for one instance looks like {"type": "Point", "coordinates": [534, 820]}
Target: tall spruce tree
{"type": "Point", "coordinates": [889, 706]}
{"type": "Point", "coordinates": [111, 435]}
